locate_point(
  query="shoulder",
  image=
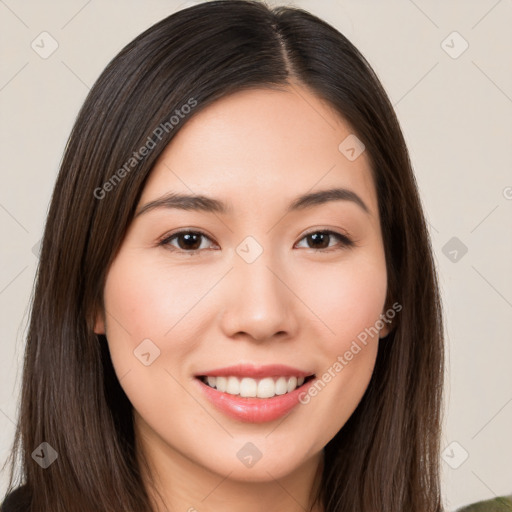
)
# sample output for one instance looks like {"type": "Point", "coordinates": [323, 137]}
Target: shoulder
{"type": "Point", "coordinates": [17, 500]}
{"type": "Point", "coordinates": [501, 504]}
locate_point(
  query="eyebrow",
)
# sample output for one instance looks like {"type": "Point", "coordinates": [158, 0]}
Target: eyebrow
{"type": "Point", "coordinates": [211, 205]}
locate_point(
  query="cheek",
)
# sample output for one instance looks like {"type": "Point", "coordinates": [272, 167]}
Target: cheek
{"type": "Point", "coordinates": [145, 302]}
{"type": "Point", "coordinates": [348, 299]}
{"type": "Point", "coordinates": [146, 313]}
{"type": "Point", "coordinates": [144, 299]}
{"type": "Point", "coordinates": [349, 303]}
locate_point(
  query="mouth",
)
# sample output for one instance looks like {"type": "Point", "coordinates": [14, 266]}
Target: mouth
{"type": "Point", "coordinates": [252, 394]}
{"type": "Point", "coordinates": [248, 387]}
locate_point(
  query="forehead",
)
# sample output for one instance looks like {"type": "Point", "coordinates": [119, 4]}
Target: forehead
{"type": "Point", "coordinates": [258, 143]}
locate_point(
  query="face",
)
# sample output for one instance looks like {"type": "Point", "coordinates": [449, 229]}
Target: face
{"type": "Point", "coordinates": [195, 290]}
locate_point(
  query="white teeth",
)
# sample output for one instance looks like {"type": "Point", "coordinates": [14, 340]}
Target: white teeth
{"type": "Point", "coordinates": [292, 384]}
{"type": "Point", "coordinates": [266, 388]}
{"type": "Point", "coordinates": [221, 383]}
{"type": "Point", "coordinates": [281, 386]}
{"type": "Point", "coordinates": [233, 387]}
{"type": "Point", "coordinates": [247, 387]}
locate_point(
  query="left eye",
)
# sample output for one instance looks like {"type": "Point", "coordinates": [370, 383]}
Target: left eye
{"type": "Point", "coordinates": [190, 241]}
{"type": "Point", "coordinates": [320, 237]}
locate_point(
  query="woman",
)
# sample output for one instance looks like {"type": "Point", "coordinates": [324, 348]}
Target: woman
{"type": "Point", "coordinates": [293, 359]}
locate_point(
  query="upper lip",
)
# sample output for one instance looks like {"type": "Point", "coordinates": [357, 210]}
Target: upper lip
{"type": "Point", "coordinates": [250, 370]}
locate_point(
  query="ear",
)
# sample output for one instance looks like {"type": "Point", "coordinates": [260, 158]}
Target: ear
{"type": "Point", "coordinates": [388, 325]}
{"type": "Point", "coordinates": [99, 323]}
{"type": "Point", "coordinates": [385, 330]}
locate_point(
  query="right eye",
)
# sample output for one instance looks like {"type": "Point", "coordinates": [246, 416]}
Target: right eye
{"type": "Point", "coordinates": [188, 241]}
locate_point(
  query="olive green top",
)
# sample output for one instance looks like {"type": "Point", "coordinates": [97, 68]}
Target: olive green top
{"type": "Point", "coordinates": [501, 504]}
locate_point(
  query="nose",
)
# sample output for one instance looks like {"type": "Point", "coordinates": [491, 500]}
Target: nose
{"type": "Point", "coordinates": [258, 301]}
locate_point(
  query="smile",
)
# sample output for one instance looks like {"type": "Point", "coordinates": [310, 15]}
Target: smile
{"type": "Point", "coordinates": [254, 394]}
{"type": "Point", "coordinates": [247, 387]}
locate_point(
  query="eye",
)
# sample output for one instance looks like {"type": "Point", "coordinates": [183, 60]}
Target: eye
{"type": "Point", "coordinates": [321, 239]}
{"type": "Point", "coordinates": [188, 241]}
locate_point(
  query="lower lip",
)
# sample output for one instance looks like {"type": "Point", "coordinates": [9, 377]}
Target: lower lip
{"type": "Point", "coordinates": [254, 410]}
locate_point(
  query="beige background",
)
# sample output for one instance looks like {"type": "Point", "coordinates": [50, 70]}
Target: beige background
{"type": "Point", "coordinates": [456, 117]}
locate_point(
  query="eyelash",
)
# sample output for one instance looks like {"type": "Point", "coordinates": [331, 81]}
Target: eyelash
{"type": "Point", "coordinates": [345, 241]}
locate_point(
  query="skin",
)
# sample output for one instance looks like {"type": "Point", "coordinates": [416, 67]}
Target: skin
{"type": "Point", "coordinates": [292, 305]}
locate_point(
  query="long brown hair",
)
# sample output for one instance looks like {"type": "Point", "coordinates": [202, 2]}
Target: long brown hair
{"type": "Point", "coordinates": [385, 458]}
